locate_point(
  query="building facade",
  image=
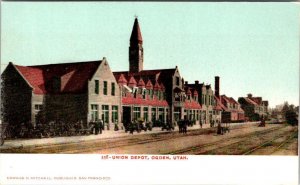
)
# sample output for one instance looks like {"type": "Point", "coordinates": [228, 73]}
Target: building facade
{"type": "Point", "coordinates": [255, 108]}
{"type": "Point", "coordinates": [88, 91]}
{"type": "Point", "coordinates": [72, 92]}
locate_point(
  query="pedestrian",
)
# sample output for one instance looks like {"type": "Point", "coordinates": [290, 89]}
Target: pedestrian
{"type": "Point", "coordinates": [201, 123]}
{"type": "Point", "coordinates": [97, 127]}
{"type": "Point", "coordinates": [185, 126]}
{"type": "Point", "coordinates": [101, 126]}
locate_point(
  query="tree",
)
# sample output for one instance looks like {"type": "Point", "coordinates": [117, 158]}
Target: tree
{"type": "Point", "coordinates": [291, 117]}
{"type": "Point", "coordinates": [289, 113]}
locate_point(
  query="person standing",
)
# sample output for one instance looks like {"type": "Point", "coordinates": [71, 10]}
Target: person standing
{"type": "Point", "coordinates": [97, 127]}
{"type": "Point", "coordinates": [101, 125]}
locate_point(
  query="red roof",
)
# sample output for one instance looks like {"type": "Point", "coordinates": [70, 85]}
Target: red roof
{"type": "Point", "coordinates": [229, 99]}
{"type": "Point", "coordinates": [192, 105]}
{"type": "Point", "coordinates": [122, 80]}
{"type": "Point", "coordinates": [257, 100]}
{"type": "Point", "coordinates": [156, 86]}
{"type": "Point", "coordinates": [136, 35]}
{"type": "Point", "coordinates": [141, 83]}
{"type": "Point", "coordinates": [73, 76]}
{"type": "Point", "coordinates": [149, 85]}
{"type": "Point", "coordinates": [250, 101]}
{"type": "Point", "coordinates": [132, 82]}
{"type": "Point", "coordinates": [139, 101]}
{"type": "Point", "coordinates": [233, 101]}
{"type": "Point", "coordinates": [195, 93]}
{"type": "Point", "coordinates": [220, 105]}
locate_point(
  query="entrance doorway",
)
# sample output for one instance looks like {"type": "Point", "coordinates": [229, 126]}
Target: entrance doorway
{"type": "Point", "coordinates": [126, 115]}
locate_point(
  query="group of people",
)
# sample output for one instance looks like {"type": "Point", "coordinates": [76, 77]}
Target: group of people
{"type": "Point", "coordinates": [182, 125]}
{"type": "Point", "coordinates": [98, 127]}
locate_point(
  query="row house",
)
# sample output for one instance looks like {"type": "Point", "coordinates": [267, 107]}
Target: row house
{"type": "Point", "coordinates": [209, 112]}
{"type": "Point", "coordinates": [255, 108]}
{"type": "Point", "coordinates": [70, 92]}
{"type": "Point", "coordinates": [232, 111]}
{"type": "Point", "coordinates": [192, 107]}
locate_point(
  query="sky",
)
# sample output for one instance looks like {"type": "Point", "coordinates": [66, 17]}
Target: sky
{"type": "Point", "coordinates": [253, 47]}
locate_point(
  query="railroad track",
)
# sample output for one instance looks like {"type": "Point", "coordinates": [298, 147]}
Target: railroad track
{"type": "Point", "coordinates": [238, 148]}
{"type": "Point", "coordinates": [157, 138]}
{"type": "Point", "coordinates": [200, 149]}
{"type": "Point", "coordinates": [270, 142]}
{"type": "Point", "coordinates": [85, 146]}
{"type": "Point", "coordinates": [293, 135]}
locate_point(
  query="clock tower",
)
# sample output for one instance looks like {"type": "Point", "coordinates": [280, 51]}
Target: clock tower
{"type": "Point", "coordinates": [136, 52]}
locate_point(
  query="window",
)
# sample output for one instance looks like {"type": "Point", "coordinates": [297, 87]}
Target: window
{"type": "Point", "coordinates": [96, 86]}
{"type": "Point", "coordinates": [177, 114]}
{"type": "Point", "coordinates": [177, 80]}
{"type": "Point", "coordinates": [105, 114]}
{"type": "Point", "coordinates": [161, 114]}
{"type": "Point", "coordinates": [136, 113]}
{"type": "Point", "coordinates": [158, 95]}
{"type": "Point", "coordinates": [94, 112]}
{"type": "Point", "coordinates": [145, 113]}
{"type": "Point", "coordinates": [144, 92]}
{"type": "Point", "coordinates": [114, 115]}
{"type": "Point", "coordinates": [105, 87]}
{"type": "Point", "coordinates": [135, 92]}
{"type": "Point", "coordinates": [113, 88]}
{"type": "Point", "coordinates": [177, 97]}
{"type": "Point", "coordinates": [38, 107]}
{"type": "Point", "coordinates": [153, 114]}
{"type": "Point", "coordinates": [151, 94]}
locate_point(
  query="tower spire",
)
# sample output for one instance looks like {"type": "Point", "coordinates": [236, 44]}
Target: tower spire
{"type": "Point", "coordinates": [136, 35]}
{"type": "Point", "coordinates": [136, 52]}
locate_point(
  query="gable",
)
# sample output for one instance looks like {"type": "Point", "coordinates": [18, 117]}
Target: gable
{"type": "Point", "coordinates": [72, 77]}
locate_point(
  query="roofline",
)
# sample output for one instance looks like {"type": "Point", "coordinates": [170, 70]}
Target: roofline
{"type": "Point", "coordinates": [101, 62]}
{"type": "Point", "coordinates": [21, 74]}
{"type": "Point", "coordinates": [145, 70]}
{"type": "Point", "coordinates": [65, 63]}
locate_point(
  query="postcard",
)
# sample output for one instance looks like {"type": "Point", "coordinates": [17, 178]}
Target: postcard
{"type": "Point", "coordinates": [149, 93]}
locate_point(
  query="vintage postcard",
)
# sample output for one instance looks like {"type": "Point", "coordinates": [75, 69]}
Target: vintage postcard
{"type": "Point", "coordinates": [149, 93]}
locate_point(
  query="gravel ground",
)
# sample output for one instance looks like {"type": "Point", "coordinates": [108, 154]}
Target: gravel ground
{"type": "Point", "coordinates": [162, 147]}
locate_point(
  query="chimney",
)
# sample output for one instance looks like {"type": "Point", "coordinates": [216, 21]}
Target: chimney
{"type": "Point", "coordinates": [197, 82]}
{"type": "Point", "coordinates": [217, 86]}
{"type": "Point", "coordinates": [249, 95]}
